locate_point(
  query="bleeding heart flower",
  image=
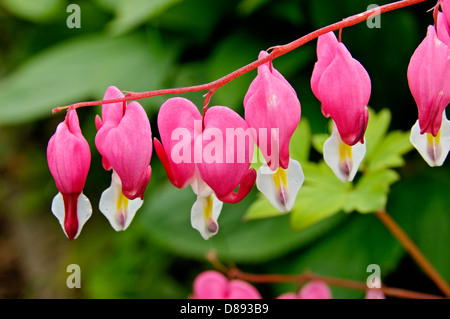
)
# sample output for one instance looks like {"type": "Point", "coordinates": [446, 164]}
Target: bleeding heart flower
{"type": "Point", "coordinates": [69, 158]}
{"type": "Point", "coordinates": [124, 139]}
{"type": "Point", "coordinates": [213, 285]}
{"type": "Point", "coordinates": [213, 156]}
{"type": "Point", "coordinates": [429, 82]}
{"type": "Point", "coordinates": [273, 110]}
{"type": "Point", "coordinates": [313, 290]}
{"type": "Point", "coordinates": [343, 86]}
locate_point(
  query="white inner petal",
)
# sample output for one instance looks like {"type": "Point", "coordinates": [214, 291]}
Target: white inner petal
{"type": "Point", "coordinates": [204, 215]}
{"type": "Point", "coordinates": [118, 209]}
{"type": "Point", "coordinates": [84, 211]}
{"type": "Point", "coordinates": [281, 186]}
{"type": "Point", "coordinates": [434, 150]}
{"type": "Point", "coordinates": [343, 159]}
{"type": "Point", "coordinates": [199, 187]}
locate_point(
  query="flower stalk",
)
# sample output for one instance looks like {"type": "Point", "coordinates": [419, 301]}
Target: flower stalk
{"type": "Point", "coordinates": [276, 52]}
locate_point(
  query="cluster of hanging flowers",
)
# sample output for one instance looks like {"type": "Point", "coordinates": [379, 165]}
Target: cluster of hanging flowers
{"type": "Point", "coordinates": [212, 153]}
{"type": "Point", "coordinates": [429, 82]}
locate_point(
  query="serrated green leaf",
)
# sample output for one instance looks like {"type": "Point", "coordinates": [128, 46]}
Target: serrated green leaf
{"type": "Point", "coordinates": [321, 196]}
{"type": "Point", "coordinates": [376, 130]}
{"type": "Point", "coordinates": [166, 216]}
{"type": "Point", "coordinates": [261, 208]}
{"type": "Point", "coordinates": [389, 151]}
{"type": "Point", "coordinates": [313, 205]}
{"type": "Point", "coordinates": [371, 192]}
{"type": "Point", "coordinates": [321, 176]}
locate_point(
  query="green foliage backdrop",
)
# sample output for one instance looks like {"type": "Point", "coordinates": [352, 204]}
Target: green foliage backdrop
{"type": "Point", "coordinates": [147, 45]}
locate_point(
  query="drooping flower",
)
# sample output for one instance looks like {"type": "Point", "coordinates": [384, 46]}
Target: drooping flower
{"type": "Point", "coordinates": [343, 87]}
{"type": "Point", "coordinates": [273, 110]}
{"type": "Point", "coordinates": [124, 140]}
{"type": "Point", "coordinates": [212, 155]}
{"type": "Point", "coordinates": [69, 158]}
{"type": "Point", "coordinates": [429, 82]}
{"type": "Point", "coordinates": [313, 290]}
{"type": "Point", "coordinates": [214, 285]}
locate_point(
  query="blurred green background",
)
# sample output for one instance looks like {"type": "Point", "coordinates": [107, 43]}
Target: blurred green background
{"type": "Point", "coordinates": [141, 45]}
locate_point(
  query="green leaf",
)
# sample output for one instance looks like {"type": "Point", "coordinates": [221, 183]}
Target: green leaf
{"type": "Point", "coordinates": [321, 196]}
{"type": "Point", "coordinates": [313, 205]}
{"type": "Point", "coordinates": [80, 69]}
{"type": "Point", "coordinates": [320, 175]}
{"type": "Point", "coordinates": [166, 216]}
{"type": "Point", "coordinates": [377, 128]}
{"type": "Point", "coordinates": [318, 140]}
{"type": "Point", "coordinates": [389, 151]}
{"type": "Point", "coordinates": [132, 13]}
{"type": "Point", "coordinates": [37, 10]}
{"type": "Point", "coordinates": [300, 143]}
{"type": "Point", "coordinates": [261, 208]}
{"type": "Point", "coordinates": [371, 191]}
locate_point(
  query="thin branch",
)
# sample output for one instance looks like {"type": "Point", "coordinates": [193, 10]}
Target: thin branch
{"type": "Point", "coordinates": [414, 251]}
{"type": "Point", "coordinates": [234, 272]}
{"type": "Point", "coordinates": [345, 283]}
{"type": "Point", "coordinates": [276, 52]}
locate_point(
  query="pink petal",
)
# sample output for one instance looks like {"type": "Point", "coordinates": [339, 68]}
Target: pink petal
{"type": "Point", "coordinates": [429, 81]}
{"type": "Point", "coordinates": [128, 148]}
{"type": "Point", "coordinates": [326, 51]}
{"type": "Point", "coordinates": [375, 293]}
{"type": "Point", "coordinates": [214, 285]}
{"type": "Point", "coordinates": [344, 90]}
{"type": "Point", "coordinates": [112, 112]}
{"type": "Point", "coordinates": [210, 285]}
{"type": "Point", "coordinates": [239, 289]}
{"type": "Point", "coordinates": [246, 185]}
{"type": "Point", "coordinates": [227, 149]}
{"type": "Point", "coordinates": [288, 295]}
{"type": "Point", "coordinates": [315, 290]}
{"type": "Point", "coordinates": [69, 156]}
{"type": "Point", "coordinates": [178, 120]}
{"type": "Point", "coordinates": [271, 103]}
{"type": "Point", "coordinates": [445, 5]}
{"type": "Point", "coordinates": [443, 29]}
